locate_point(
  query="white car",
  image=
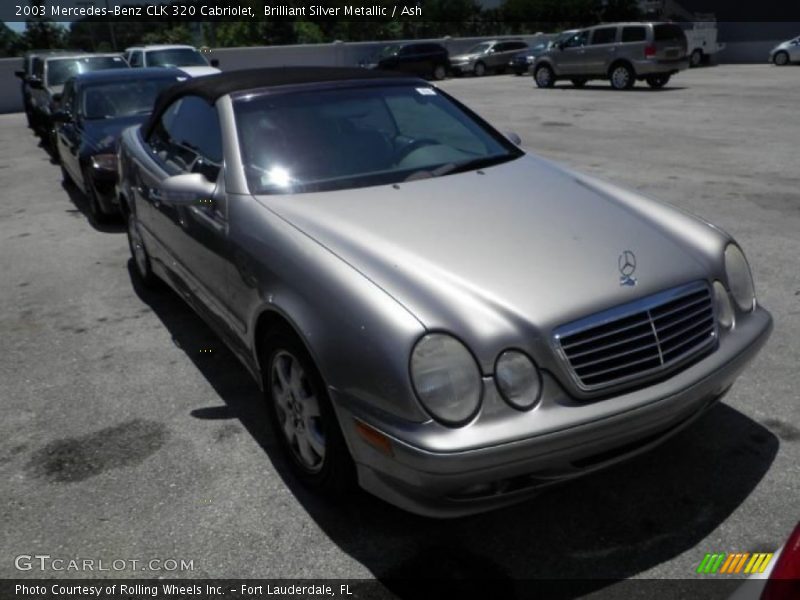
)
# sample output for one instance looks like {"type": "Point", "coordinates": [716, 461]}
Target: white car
{"type": "Point", "coordinates": [186, 58]}
{"type": "Point", "coordinates": [786, 52]}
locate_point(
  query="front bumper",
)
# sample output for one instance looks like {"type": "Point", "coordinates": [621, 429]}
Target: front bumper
{"type": "Point", "coordinates": [462, 68]}
{"type": "Point", "coordinates": [105, 183]}
{"type": "Point", "coordinates": [439, 483]}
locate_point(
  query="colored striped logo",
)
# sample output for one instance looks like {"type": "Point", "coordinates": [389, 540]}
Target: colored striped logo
{"type": "Point", "coordinates": [731, 564]}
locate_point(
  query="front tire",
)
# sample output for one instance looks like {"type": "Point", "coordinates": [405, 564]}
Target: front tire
{"type": "Point", "coordinates": [439, 72]}
{"type": "Point", "coordinates": [657, 81]}
{"type": "Point", "coordinates": [304, 419]}
{"type": "Point", "coordinates": [480, 69]}
{"type": "Point", "coordinates": [781, 59]}
{"type": "Point", "coordinates": [696, 58]}
{"type": "Point", "coordinates": [544, 76]}
{"type": "Point", "coordinates": [622, 77]}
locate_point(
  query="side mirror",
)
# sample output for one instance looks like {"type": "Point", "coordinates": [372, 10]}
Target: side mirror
{"type": "Point", "coordinates": [514, 138]}
{"type": "Point", "coordinates": [19, 74]}
{"type": "Point", "coordinates": [214, 62]}
{"type": "Point", "coordinates": [188, 188]}
{"type": "Point", "coordinates": [61, 116]}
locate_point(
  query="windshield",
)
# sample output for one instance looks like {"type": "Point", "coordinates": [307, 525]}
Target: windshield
{"type": "Point", "coordinates": [59, 70]}
{"type": "Point", "coordinates": [480, 48]}
{"type": "Point", "coordinates": [176, 57]}
{"type": "Point", "coordinates": [122, 98]}
{"type": "Point", "coordinates": [335, 139]}
{"type": "Point", "coordinates": [389, 51]}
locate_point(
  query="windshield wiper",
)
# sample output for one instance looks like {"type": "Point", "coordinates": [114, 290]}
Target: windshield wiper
{"type": "Point", "coordinates": [471, 165]}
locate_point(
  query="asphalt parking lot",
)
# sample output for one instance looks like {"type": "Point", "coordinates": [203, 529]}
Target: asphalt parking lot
{"type": "Point", "coordinates": [129, 432]}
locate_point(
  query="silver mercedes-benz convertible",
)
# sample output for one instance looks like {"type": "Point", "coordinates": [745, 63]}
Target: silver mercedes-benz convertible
{"type": "Point", "coordinates": [432, 312]}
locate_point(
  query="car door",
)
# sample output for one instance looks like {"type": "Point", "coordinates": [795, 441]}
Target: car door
{"type": "Point", "coordinates": [571, 59]}
{"type": "Point", "coordinates": [69, 132]}
{"type": "Point", "coordinates": [191, 233]}
{"type": "Point", "coordinates": [633, 41]}
{"type": "Point", "coordinates": [411, 59]}
{"type": "Point", "coordinates": [601, 50]}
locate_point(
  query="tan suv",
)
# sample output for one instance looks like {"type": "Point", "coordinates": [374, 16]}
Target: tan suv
{"type": "Point", "coordinates": [619, 52]}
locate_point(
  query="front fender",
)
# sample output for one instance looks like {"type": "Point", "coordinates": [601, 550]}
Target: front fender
{"type": "Point", "coordinates": [358, 335]}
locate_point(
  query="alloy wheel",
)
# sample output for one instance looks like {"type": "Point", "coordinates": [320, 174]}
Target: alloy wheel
{"type": "Point", "coordinates": [298, 411]}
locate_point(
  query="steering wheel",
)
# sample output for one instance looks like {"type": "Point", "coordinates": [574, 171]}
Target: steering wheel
{"type": "Point", "coordinates": [412, 145]}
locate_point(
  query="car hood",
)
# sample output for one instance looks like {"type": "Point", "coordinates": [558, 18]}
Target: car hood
{"type": "Point", "coordinates": [199, 71]}
{"type": "Point", "coordinates": [524, 242]}
{"type": "Point", "coordinates": [464, 57]}
{"type": "Point", "coordinates": [102, 135]}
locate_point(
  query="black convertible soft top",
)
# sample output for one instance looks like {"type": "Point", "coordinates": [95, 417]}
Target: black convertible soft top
{"type": "Point", "coordinates": [212, 87]}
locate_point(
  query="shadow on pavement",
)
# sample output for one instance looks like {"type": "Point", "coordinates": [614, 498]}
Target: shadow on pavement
{"type": "Point", "coordinates": [596, 530]}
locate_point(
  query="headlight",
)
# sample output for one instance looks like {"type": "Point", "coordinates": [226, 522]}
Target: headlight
{"type": "Point", "coordinates": [724, 308]}
{"type": "Point", "coordinates": [104, 162]}
{"type": "Point", "coordinates": [518, 379]}
{"type": "Point", "coordinates": [740, 280]}
{"type": "Point", "coordinates": [446, 378]}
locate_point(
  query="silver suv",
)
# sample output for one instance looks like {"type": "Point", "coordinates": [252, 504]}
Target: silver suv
{"type": "Point", "coordinates": [619, 52]}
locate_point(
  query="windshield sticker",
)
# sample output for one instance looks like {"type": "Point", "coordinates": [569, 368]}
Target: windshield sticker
{"type": "Point", "coordinates": [426, 91]}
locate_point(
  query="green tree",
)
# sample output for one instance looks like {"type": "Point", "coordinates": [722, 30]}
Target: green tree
{"type": "Point", "coordinates": [178, 34]}
{"type": "Point", "coordinates": [621, 10]}
{"type": "Point", "coordinates": [10, 41]}
{"type": "Point", "coordinates": [43, 34]}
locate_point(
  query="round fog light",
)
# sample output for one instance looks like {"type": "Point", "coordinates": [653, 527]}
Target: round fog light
{"type": "Point", "coordinates": [518, 379]}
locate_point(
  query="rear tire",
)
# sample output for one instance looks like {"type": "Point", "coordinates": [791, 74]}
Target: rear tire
{"type": "Point", "coordinates": [781, 59]}
{"type": "Point", "coordinates": [657, 81]}
{"type": "Point", "coordinates": [544, 76]}
{"type": "Point", "coordinates": [696, 58]}
{"type": "Point", "coordinates": [303, 418]}
{"type": "Point", "coordinates": [579, 83]}
{"type": "Point", "coordinates": [621, 77]}
{"type": "Point", "coordinates": [142, 268]}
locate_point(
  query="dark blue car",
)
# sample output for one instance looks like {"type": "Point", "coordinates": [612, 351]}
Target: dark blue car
{"type": "Point", "coordinates": [95, 108]}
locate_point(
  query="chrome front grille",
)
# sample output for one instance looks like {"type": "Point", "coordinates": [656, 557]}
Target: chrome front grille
{"type": "Point", "coordinates": [641, 340]}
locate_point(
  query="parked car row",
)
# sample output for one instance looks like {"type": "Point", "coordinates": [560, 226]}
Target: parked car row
{"type": "Point", "coordinates": [377, 256]}
{"type": "Point", "coordinates": [622, 53]}
{"type": "Point", "coordinates": [44, 73]}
